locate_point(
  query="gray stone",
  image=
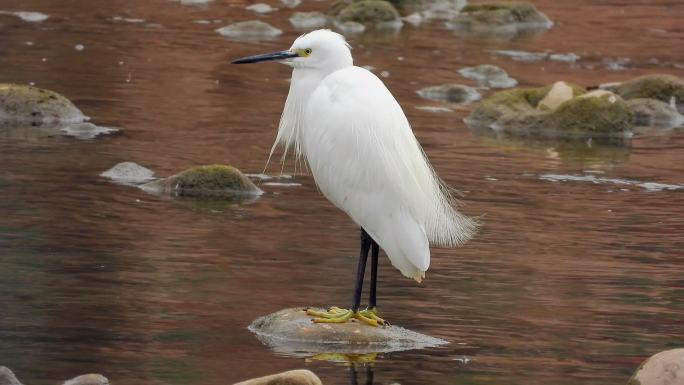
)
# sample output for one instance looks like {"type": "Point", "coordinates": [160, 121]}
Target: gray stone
{"type": "Point", "coordinates": [368, 12]}
{"type": "Point", "coordinates": [20, 104]}
{"type": "Point", "coordinates": [260, 8]}
{"type": "Point", "coordinates": [31, 17]}
{"type": "Point", "coordinates": [291, 3]}
{"type": "Point", "coordinates": [86, 130]}
{"type": "Point", "coordinates": [251, 29]}
{"type": "Point", "coordinates": [129, 173]}
{"type": "Point", "coordinates": [664, 368]}
{"type": "Point", "coordinates": [488, 75]}
{"type": "Point", "coordinates": [506, 18]}
{"type": "Point", "coordinates": [661, 87]}
{"type": "Point", "coordinates": [451, 93]}
{"type": "Point", "coordinates": [522, 55]}
{"type": "Point", "coordinates": [88, 379]}
{"type": "Point", "coordinates": [291, 377]}
{"type": "Point", "coordinates": [213, 181]}
{"type": "Point", "coordinates": [308, 20]}
{"type": "Point", "coordinates": [7, 377]}
{"type": "Point", "coordinates": [654, 113]}
{"type": "Point", "coordinates": [291, 331]}
{"type": "Point", "coordinates": [350, 27]}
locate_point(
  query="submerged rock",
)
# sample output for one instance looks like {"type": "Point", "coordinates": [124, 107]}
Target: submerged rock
{"type": "Point", "coordinates": [260, 8]}
{"type": "Point", "coordinates": [522, 55]}
{"type": "Point", "coordinates": [20, 104]}
{"type": "Point", "coordinates": [488, 75]}
{"type": "Point", "coordinates": [654, 113]}
{"type": "Point", "coordinates": [659, 86]}
{"type": "Point", "coordinates": [7, 377]}
{"type": "Point", "coordinates": [368, 12]}
{"type": "Point", "coordinates": [308, 20]}
{"type": "Point", "coordinates": [86, 130]}
{"type": "Point", "coordinates": [251, 29]}
{"type": "Point", "coordinates": [517, 111]}
{"type": "Point", "coordinates": [129, 173]}
{"type": "Point", "coordinates": [350, 27]}
{"type": "Point", "coordinates": [291, 377]}
{"type": "Point", "coordinates": [88, 379]}
{"type": "Point", "coordinates": [451, 93]}
{"type": "Point", "coordinates": [213, 181]}
{"type": "Point", "coordinates": [292, 331]}
{"type": "Point", "coordinates": [500, 18]}
{"type": "Point", "coordinates": [664, 368]}
{"type": "Point", "coordinates": [31, 17]}
{"type": "Point", "coordinates": [291, 3]}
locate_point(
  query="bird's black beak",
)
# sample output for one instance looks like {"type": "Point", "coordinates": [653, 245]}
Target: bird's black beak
{"type": "Point", "coordinates": [282, 55]}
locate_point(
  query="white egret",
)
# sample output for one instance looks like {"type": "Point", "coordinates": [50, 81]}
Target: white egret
{"type": "Point", "coordinates": [365, 159]}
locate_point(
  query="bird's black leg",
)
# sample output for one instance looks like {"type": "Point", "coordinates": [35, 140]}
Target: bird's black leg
{"type": "Point", "coordinates": [353, 378]}
{"type": "Point", "coordinates": [361, 269]}
{"type": "Point", "coordinates": [375, 249]}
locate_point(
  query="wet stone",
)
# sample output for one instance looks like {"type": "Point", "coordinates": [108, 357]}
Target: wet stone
{"type": "Point", "coordinates": [86, 130]}
{"type": "Point", "coordinates": [291, 377]}
{"type": "Point", "coordinates": [213, 181]}
{"type": "Point", "coordinates": [129, 173]}
{"type": "Point", "coordinates": [292, 331]}
{"type": "Point", "coordinates": [488, 75]}
{"type": "Point", "coordinates": [657, 86]}
{"type": "Point", "coordinates": [654, 113]}
{"type": "Point", "coordinates": [350, 27]}
{"type": "Point", "coordinates": [308, 20]}
{"type": "Point", "coordinates": [251, 29]}
{"type": "Point", "coordinates": [7, 377]}
{"type": "Point", "coordinates": [30, 17]}
{"type": "Point", "coordinates": [291, 3]}
{"type": "Point", "coordinates": [261, 8]}
{"type": "Point", "coordinates": [505, 18]}
{"type": "Point", "coordinates": [664, 368]}
{"type": "Point", "coordinates": [368, 12]}
{"type": "Point", "coordinates": [20, 104]}
{"type": "Point", "coordinates": [88, 379]}
{"type": "Point", "coordinates": [451, 93]}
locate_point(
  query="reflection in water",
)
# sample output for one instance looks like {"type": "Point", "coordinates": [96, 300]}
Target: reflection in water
{"type": "Point", "coordinates": [353, 376]}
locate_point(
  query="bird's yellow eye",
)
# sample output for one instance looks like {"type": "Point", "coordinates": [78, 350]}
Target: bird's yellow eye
{"type": "Point", "coordinates": [304, 52]}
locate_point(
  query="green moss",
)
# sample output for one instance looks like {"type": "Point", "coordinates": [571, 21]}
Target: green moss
{"type": "Point", "coordinates": [369, 11]}
{"type": "Point", "coordinates": [498, 13]}
{"type": "Point", "coordinates": [659, 86]}
{"type": "Point", "coordinates": [601, 115]}
{"type": "Point", "coordinates": [211, 180]}
{"type": "Point", "coordinates": [27, 104]}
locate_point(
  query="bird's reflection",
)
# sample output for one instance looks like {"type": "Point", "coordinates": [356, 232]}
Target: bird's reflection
{"type": "Point", "coordinates": [353, 375]}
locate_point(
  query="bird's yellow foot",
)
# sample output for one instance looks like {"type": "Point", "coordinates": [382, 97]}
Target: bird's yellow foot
{"type": "Point", "coordinates": [338, 315]}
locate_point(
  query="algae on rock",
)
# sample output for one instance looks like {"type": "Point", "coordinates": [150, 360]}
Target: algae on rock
{"type": "Point", "coordinates": [451, 93]}
{"type": "Point", "coordinates": [505, 18]}
{"type": "Point", "coordinates": [369, 12]}
{"type": "Point", "coordinates": [213, 181]}
{"type": "Point", "coordinates": [657, 86]}
{"type": "Point", "coordinates": [21, 104]}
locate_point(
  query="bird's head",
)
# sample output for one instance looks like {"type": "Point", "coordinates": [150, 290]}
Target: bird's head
{"type": "Point", "coordinates": [321, 49]}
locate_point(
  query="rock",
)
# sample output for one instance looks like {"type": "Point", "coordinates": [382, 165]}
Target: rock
{"type": "Point", "coordinates": [516, 111]}
{"type": "Point", "coordinates": [500, 19]}
{"type": "Point", "coordinates": [560, 92]}
{"type": "Point", "coordinates": [368, 12]}
{"type": "Point", "coordinates": [565, 57]}
{"type": "Point", "coordinates": [292, 331]}
{"type": "Point", "coordinates": [522, 55]}
{"type": "Point", "coordinates": [659, 86]}
{"type": "Point", "coordinates": [664, 368]}
{"type": "Point", "coordinates": [451, 93]}
{"type": "Point", "coordinates": [291, 3]}
{"type": "Point", "coordinates": [260, 8]}
{"type": "Point", "coordinates": [129, 173]}
{"type": "Point", "coordinates": [195, 2]}
{"type": "Point", "coordinates": [308, 20]}
{"type": "Point", "coordinates": [251, 29]}
{"type": "Point", "coordinates": [31, 17]}
{"type": "Point", "coordinates": [350, 27]}
{"type": "Point", "coordinates": [88, 379]}
{"type": "Point", "coordinates": [291, 377]}
{"type": "Point", "coordinates": [654, 113]}
{"type": "Point", "coordinates": [21, 104]}
{"type": "Point", "coordinates": [86, 130]}
{"type": "Point", "coordinates": [7, 377]}
{"type": "Point", "coordinates": [213, 181]}
{"type": "Point", "coordinates": [488, 75]}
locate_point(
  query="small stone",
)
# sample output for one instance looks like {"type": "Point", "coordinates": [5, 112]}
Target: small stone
{"type": "Point", "coordinates": [129, 173]}
{"type": "Point", "coordinates": [291, 3]}
{"type": "Point", "coordinates": [291, 377]}
{"type": "Point", "coordinates": [488, 75]}
{"type": "Point", "coordinates": [79, 47]}
{"type": "Point", "coordinates": [506, 18]}
{"type": "Point", "coordinates": [88, 379]}
{"type": "Point", "coordinates": [260, 8]}
{"type": "Point", "coordinates": [31, 17]}
{"type": "Point", "coordinates": [7, 377]}
{"type": "Point", "coordinates": [252, 29]}
{"type": "Point", "coordinates": [195, 2]}
{"type": "Point", "coordinates": [350, 28]}
{"type": "Point", "coordinates": [308, 20]}
{"type": "Point", "coordinates": [657, 86]}
{"type": "Point", "coordinates": [654, 113]}
{"type": "Point", "coordinates": [368, 12]}
{"type": "Point", "coordinates": [451, 93]}
{"type": "Point", "coordinates": [560, 92]}
{"type": "Point", "coordinates": [522, 55]}
{"type": "Point", "coordinates": [86, 130]}
{"type": "Point", "coordinates": [664, 368]}
{"type": "Point", "coordinates": [567, 57]}
{"type": "Point", "coordinates": [213, 181]}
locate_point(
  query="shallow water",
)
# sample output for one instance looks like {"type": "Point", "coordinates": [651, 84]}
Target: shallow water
{"type": "Point", "coordinates": [568, 282]}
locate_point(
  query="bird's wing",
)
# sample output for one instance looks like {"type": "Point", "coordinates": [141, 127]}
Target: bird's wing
{"type": "Point", "coordinates": [366, 160]}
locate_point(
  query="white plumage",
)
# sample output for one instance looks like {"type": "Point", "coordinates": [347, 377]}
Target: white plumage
{"type": "Point", "coordinates": [363, 155]}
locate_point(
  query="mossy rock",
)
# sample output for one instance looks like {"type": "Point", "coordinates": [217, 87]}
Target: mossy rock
{"type": "Point", "coordinates": [450, 93]}
{"type": "Point", "coordinates": [659, 86]}
{"type": "Point", "coordinates": [516, 111]}
{"type": "Point", "coordinates": [664, 368]}
{"type": "Point", "coordinates": [213, 181]}
{"type": "Point", "coordinates": [365, 11]}
{"type": "Point", "coordinates": [654, 113]}
{"type": "Point", "coordinates": [500, 18]}
{"type": "Point", "coordinates": [21, 104]}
